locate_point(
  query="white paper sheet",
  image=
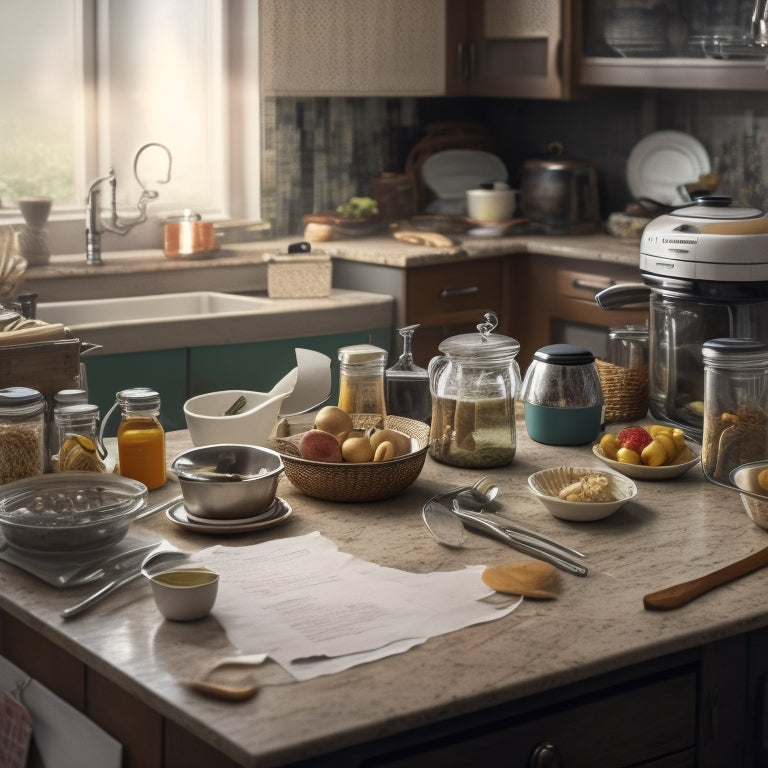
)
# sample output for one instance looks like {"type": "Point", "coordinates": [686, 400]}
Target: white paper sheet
{"type": "Point", "coordinates": [316, 610]}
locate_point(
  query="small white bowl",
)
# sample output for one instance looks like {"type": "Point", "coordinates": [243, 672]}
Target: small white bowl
{"type": "Point", "coordinates": [745, 478]}
{"type": "Point", "coordinates": [547, 483]}
{"type": "Point", "coordinates": [185, 594]}
{"type": "Point", "coordinates": [491, 205]}
{"type": "Point", "coordinates": [641, 472]}
{"type": "Point", "coordinates": [254, 424]}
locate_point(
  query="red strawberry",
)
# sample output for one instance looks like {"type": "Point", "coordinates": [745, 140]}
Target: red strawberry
{"type": "Point", "coordinates": [634, 438]}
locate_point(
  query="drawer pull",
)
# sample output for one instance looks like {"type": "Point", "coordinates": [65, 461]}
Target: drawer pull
{"type": "Point", "coordinates": [546, 755]}
{"type": "Point", "coordinates": [468, 290]}
{"type": "Point", "coordinates": [586, 285]}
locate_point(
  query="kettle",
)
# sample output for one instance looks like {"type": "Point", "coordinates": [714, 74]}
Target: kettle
{"type": "Point", "coordinates": [560, 195]}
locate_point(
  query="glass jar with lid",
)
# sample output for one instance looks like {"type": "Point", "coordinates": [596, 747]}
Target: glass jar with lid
{"type": "Point", "coordinates": [22, 433]}
{"type": "Point", "coordinates": [473, 386]}
{"type": "Point", "coordinates": [77, 431]}
{"type": "Point", "coordinates": [140, 436]}
{"type": "Point", "coordinates": [408, 384]}
{"type": "Point", "coordinates": [735, 428]}
{"type": "Point", "coordinates": [562, 396]}
{"type": "Point", "coordinates": [62, 399]}
{"type": "Point", "coordinates": [361, 383]}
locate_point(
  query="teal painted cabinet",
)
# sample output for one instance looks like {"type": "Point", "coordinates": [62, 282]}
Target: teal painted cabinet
{"type": "Point", "coordinates": [178, 374]}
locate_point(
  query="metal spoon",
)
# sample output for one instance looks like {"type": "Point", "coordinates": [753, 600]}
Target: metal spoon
{"type": "Point", "coordinates": [164, 553]}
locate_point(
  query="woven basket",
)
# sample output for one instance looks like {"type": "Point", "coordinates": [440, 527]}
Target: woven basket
{"type": "Point", "coordinates": [371, 481]}
{"type": "Point", "coordinates": [625, 391]}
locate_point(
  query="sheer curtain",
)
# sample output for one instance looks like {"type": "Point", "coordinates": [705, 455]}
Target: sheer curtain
{"type": "Point", "coordinates": [88, 82]}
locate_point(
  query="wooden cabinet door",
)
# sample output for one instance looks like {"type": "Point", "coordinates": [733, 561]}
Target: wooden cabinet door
{"type": "Point", "coordinates": [523, 48]}
{"type": "Point", "coordinates": [353, 48]}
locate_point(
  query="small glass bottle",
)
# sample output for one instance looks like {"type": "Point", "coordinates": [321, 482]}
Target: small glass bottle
{"type": "Point", "coordinates": [361, 383]}
{"type": "Point", "coordinates": [735, 406]}
{"type": "Point", "coordinates": [22, 433]}
{"type": "Point", "coordinates": [62, 399]}
{"type": "Point", "coordinates": [141, 438]}
{"type": "Point", "coordinates": [407, 384]}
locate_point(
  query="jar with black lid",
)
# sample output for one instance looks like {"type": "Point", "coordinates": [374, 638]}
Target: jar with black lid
{"type": "Point", "coordinates": [562, 396]}
{"type": "Point", "coordinates": [22, 433]}
{"type": "Point", "coordinates": [735, 405]}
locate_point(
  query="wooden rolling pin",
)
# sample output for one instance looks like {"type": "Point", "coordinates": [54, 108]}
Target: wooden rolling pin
{"type": "Point", "coordinates": [680, 594]}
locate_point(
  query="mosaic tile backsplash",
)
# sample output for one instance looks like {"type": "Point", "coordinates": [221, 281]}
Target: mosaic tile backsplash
{"type": "Point", "coordinates": [320, 152]}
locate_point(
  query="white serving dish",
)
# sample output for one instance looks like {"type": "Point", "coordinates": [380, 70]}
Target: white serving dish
{"type": "Point", "coordinates": [547, 483]}
{"type": "Point", "coordinates": [689, 459]}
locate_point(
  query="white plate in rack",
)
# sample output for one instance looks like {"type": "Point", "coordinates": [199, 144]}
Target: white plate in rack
{"type": "Point", "coordinates": [661, 162]}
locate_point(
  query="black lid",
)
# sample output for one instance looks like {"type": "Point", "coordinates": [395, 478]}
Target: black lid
{"type": "Point", "coordinates": [564, 354]}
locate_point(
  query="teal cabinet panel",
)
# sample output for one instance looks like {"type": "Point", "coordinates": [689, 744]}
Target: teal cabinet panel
{"type": "Point", "coordinates": [163, 370]}
{"type": "Point", "coordinates": [259, 365]}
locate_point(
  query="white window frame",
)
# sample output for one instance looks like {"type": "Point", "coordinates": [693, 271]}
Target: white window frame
{"type": "Point", "coordinates": [237, 144]}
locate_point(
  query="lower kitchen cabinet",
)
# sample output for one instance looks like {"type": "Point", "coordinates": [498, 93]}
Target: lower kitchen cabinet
{"type": "Point", "coordinates": [559, 304]}
{"type": "Point", "coordinates": [178, 374]}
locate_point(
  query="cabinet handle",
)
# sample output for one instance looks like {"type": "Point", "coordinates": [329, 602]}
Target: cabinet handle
{"type": "Point", "coordinates": [595, 287]}
{"type": "Point", "coordinates": [546, 755]}
{"type": "Point", "coordinates": [468, 290]}
{"type": "Point", "coordinates": [463, 65]}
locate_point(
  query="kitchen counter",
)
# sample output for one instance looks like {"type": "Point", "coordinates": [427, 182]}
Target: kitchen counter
{"type": "Point", "coordinates": [673, 531]}
{"type": "Point", "coordinates": [239, 268]}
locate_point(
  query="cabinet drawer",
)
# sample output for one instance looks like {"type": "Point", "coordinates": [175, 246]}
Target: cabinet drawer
{"type": "Point", "coordinates": [448, 293]}
{"type": "Point", "coordinates": [627, 727]}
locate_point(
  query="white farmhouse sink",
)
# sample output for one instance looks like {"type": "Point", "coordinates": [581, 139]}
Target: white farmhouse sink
{"type": "Point", "coordinates": [147, 308]}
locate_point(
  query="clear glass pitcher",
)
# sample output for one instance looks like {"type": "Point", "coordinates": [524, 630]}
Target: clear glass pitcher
{"type": "Point", "coordinates": [473, 387]}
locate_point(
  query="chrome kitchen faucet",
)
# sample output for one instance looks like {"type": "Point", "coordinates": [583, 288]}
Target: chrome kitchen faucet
{"type": "Point", "coordinates": [96, 225]}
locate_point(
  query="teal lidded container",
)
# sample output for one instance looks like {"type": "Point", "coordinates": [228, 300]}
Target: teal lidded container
{"type": "Point", "coordinates": [562, 396]}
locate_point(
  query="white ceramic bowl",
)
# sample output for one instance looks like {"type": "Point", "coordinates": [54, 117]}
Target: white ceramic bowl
{"type": "Point", "coordinates": [547, 483]}
{"type": "Point", "coordinates": [184, 594]}
{"type": "Point", "coordinates": [491, 205]}
{"type": "Point", "coordinates": [690, 458]}
{"type": "Point", "coordinates": [745, 478]}
{"type": "Point", "coordinates": [254, 424]}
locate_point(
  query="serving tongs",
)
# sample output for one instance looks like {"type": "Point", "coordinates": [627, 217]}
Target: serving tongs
{"type": "Point", "coordinates": [445, 515]}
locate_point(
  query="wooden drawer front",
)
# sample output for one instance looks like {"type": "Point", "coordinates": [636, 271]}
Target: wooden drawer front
{"type": "Point", "coordinates": [630, 727]}
{"type": "Point", "coordinates": [582, 285]}
{"type": "Point", "coordinates": [454, 292]}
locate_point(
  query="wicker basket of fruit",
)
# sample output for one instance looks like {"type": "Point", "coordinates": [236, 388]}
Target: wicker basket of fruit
{"type": "Point", "coordinates": [344, 462]}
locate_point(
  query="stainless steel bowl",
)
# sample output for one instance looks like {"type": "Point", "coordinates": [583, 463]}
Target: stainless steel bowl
{"type": "Point", "coordinates": [228, 481]}
{"type": "Point", "coordinates": [69, 512]}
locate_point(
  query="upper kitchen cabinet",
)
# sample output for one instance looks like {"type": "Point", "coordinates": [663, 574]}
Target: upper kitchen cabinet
{"type": "Point", "coordinates": [701, 44]}
{"type": "Point", "coordinates": [520, 49]}
{"type": "Point", "coordinates": [416, 48]}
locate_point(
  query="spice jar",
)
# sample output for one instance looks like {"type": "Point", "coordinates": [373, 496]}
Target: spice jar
{"type": "Point", "coordinates": [62, 399]}
{"type": "Point", "coordinates": [473, 387]}
{"type": "Point", "coordinates": [361, 383]}
{"type": "Point", "coordinates": [562, 396]}
{"type": "Point", "coordinates": [735, 428]}
{"type": "Point", "coordinates": [140, 436]}
{"type": "Point", "coordinates": [408, 384]}
{"type": "Point", "coordinates": [77, 427]}
{"type": "Point", "coordinates": [22, 433]}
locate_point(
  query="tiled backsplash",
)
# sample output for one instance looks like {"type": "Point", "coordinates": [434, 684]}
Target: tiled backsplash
{"type": "Point", "coordinates": [320, 152]}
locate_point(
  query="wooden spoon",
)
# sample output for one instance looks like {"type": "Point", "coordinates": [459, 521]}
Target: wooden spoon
{"type": "Point", "coordinates": [680, 594]}
{"type": "Point", "coordinates": [528, 578]}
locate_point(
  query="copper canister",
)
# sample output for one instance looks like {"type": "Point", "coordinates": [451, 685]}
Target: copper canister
{"type": "Point", "coordinates": [188, 235]}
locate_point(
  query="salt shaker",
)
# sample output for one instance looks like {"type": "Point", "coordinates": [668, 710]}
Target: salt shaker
{"type": "Point", "coordinates": [735, 428]}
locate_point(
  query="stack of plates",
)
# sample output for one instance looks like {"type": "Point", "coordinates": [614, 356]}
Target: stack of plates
{"type": "Point", "coordinates": [279, 512]}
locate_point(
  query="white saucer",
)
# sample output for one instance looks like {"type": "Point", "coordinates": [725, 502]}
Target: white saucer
{"type": "Point", "coordinates": [269, 512]}
{"type": "Point", "coordinates": [279, 512]}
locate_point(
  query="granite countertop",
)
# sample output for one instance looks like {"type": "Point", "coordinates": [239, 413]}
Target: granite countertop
{"type": "Point", "coordinates": [240, 267]}
{"type": "Point", "coordinates": [672, 531]}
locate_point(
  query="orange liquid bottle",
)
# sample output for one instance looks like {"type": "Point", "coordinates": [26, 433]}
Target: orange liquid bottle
{"type": "Point", "coordinates": [141, 438]}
